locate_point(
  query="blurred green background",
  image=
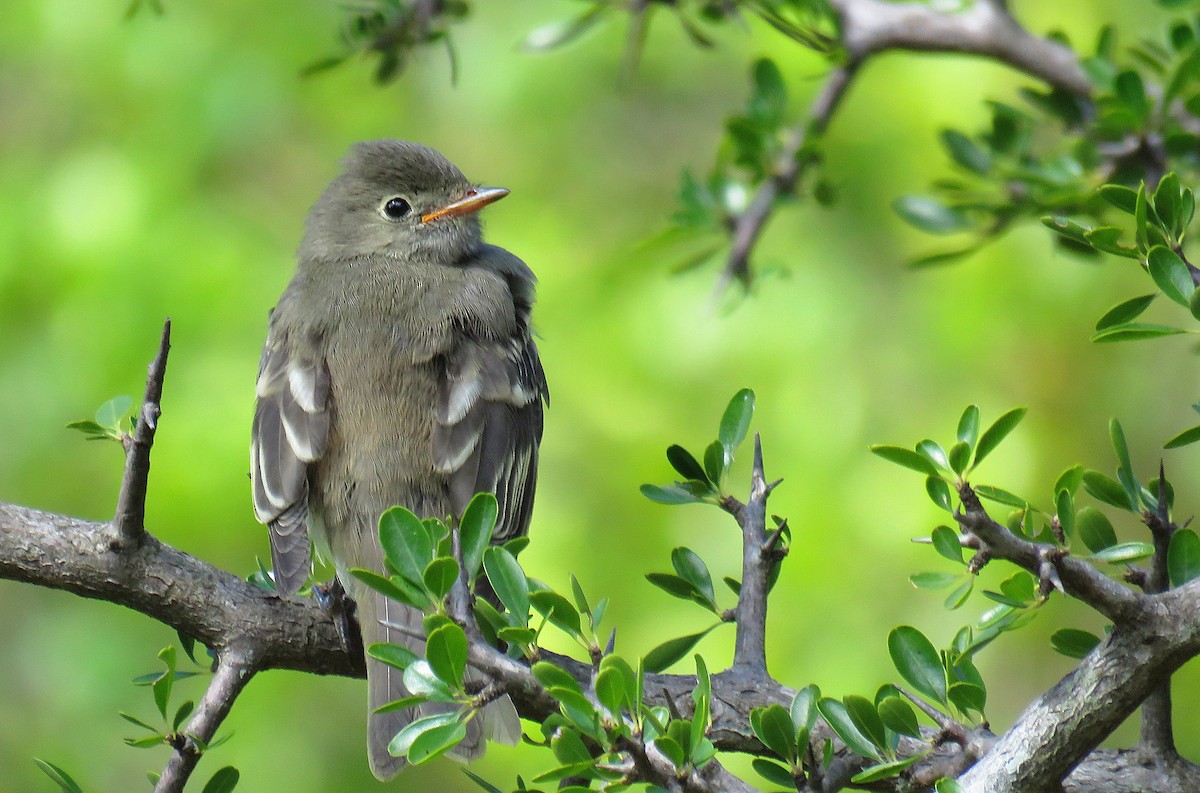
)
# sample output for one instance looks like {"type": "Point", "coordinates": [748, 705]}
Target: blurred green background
{"type": "Point", "coordinates": [164, 165]}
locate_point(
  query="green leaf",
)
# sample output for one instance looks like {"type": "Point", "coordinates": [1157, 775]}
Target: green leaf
{"type": "Point", "coordinates": [960, 457]}
{"type": "Point", "coordinates": [551, 36]}
{"type": "Point", "coordinates": [959, 594]}
{"type": "Point", "coordinates": [934, 453]}
{"type": "Point", "coordinates": [671, 494]}
{"type": "Point", "coordinates": [905, 457]}
{"type": "Point", "coordinates": [610, 690]}
{"type": "Point", "coordinates": [1073, 643]}
{"type": "Point", "coordinates": [678, 587]}
{"type": "Point", "coordinates": [671, 651]}
{"type": "Point", "coordinates": [558, 610]}
{"type": "Point", "coordinates": [421, 681]}
{"type": "Point", "coordinates": [113, 412]}
{"type": "Point", "coordinates": [404, 703]}
{"type": "Point", "coordinates": [804, 708]}
{"type": "Point", "coordinates": [1171, 274]}
{"type": "Point", "coordinates": [996, 433]}
{"type": "Point", "coordinates": [1125, 552]}
{"type": "Point", "coordinates": [918, 662]}
{"type": "Point", "coordinates": [693, 570]}
{"type": "Point", "coordinates": [223, 781]}
{"type": "Point", "coordinates": [899, 717]}
{"type": "Point", "coordinates": [1001, 496]}
{"type": "Point", "coordinates": [769, 102]}
{"type": "Point", "coordinates": [553, 676]}
{"type": "Point", "coordinates": [406, 543]}
{"type": "Point", "coordinates": [1167, 204]}
{"type": "Point", "coordinates": [773, 772]}
{"type": "Point", "coordinates": [968, 426]}
{"type": "Point", "coordinates": [1184, 438]}
{"type": "Point", "coordinates": [947, 786]}
{"type": "Point", "coordinates": [773, 726]}
{"type": "Point", "coordinates": [862, 712]}
{"type": "Point", "coordinates": [1125, 312]}
{"type": "Point", "coordinates": [483, 783]}
{"type": "Point", "coordinates": [1183, 557]}
{"type": "Point", "coordinates": [735, 422]}
{"type": "Point", "coordinates": [569, 748]}
{"type": "Point", "coordinates": [435, 742]}
{"type": "Point", "coordinates": [946, 542]}
{"type": "Point", "coordinates": [930, 215]}
{"type": "Point", "coordinates": [1105, 488]}
{"type": "Point", "coordinates": [446, 651]}
{"type": "Point", "coordinates": [884, 770]}
{"type": "Point", "coordinates": [715, 463]}
{"type": "Point", "coordinates": [508, 581]}
{"type": "Point", "coordinates": [1134, 331]}
{"type": "Point", "coordinates": [687, 466]}
{"type": "Point", "coordinates": [475, 531]}
{"type": "Point", "coordinates": [938, 491]}
{"type": "Point", "coordinates": [440, 575]}
{"type": "Point", "coordinates": [1123, 198]}
{"type": "Point", "coordinates": [402, 742]}
{"type": "Point", "coordinates": [1107, 239]}
{"type": "Point", "coordinates": [965, 152]}
{"type": "Point", "coordinates": [1095, 529]}
{"type": "Point", "coordinates": [967, 697]}
{"type": "Point", "coordinates": [839, 720]}
{"type": "Point", "coordinates": [1064, 507]}
{"type": "Point", "coordinates": [59, 776]}
{"type": "Point", "coordinates": [1140, 215]}
{"type": "Point", "coordinates": [671, 748]}
{"type": "Point", "coordinates": [933, 580]}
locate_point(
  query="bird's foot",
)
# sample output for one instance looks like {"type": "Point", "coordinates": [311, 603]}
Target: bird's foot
{"type": "Point", "coordinates": [341, 607]}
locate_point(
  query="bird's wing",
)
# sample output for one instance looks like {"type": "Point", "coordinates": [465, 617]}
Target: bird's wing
{"type": "Point", "coordinates": [488, 424]}
{"type": "Point", "coordinates": [291, 424]}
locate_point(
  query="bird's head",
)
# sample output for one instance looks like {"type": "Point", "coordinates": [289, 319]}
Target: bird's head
{"type": "Point", "coordinates": [397, 198]}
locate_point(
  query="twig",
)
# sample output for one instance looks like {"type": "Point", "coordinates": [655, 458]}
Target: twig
{"type": "Point", "coordinates": [789, 167]}
{"type": "Point", "coordinates": [750, 653]}
{"type": "Point", "coordinates": [232, 674]}
{"type": "Point", "coordinates": [130, 517]}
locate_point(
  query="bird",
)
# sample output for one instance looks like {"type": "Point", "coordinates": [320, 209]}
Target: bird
{"type": "Point", "coordinates": [399, 368]}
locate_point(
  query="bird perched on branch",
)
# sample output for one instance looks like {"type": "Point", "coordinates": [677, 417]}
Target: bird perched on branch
{"type": "Point", "coordinates": [399, 369]}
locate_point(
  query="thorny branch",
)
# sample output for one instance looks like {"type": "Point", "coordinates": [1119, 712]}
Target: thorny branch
{"type": "Point", "coordinates": [130, 517]}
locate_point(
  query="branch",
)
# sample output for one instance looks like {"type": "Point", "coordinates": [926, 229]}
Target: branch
{"type": "Point", "coordinates": [984, 28]}
{"type": "Point", "coordinates": [750, 650]}
{"type": "Point", "coordinates": [1079, 579]}
{"type": "Point", "coordinates": [871, 27]}
{"type": "Point", "coordinates": [789, 168]}
{"type": "Point", "coordinates": [232, 674]}
{"type": "Point", "coordinates": [130, 518]}
{"type": "Point", "coordinates": [1059, 728]}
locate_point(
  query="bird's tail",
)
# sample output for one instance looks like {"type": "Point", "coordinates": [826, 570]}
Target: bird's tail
{"type": "Point", "coordinates": [385, 620]}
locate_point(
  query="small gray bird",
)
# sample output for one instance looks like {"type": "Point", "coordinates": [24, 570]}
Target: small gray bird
{"type": "Point", "coordinates": [399, 368]}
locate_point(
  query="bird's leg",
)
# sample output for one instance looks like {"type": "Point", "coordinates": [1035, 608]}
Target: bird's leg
{"type": "Point", "coordinates": [333, 598]}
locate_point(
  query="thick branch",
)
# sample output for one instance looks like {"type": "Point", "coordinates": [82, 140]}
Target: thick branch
{"type": "Point", "coordinates": [231, 615]}
{"type": "Point", "coordinates": [1059, 728]}
{"type": "Point", "coordinates": [130, 518]}
{"type": "Point", "coordinates": [232, 674]}
{"type": "Point", "coordinates": [982, 28]}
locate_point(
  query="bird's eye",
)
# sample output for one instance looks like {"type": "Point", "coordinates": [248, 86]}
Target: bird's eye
{"type": "Point", "coordinates": [396, 208]}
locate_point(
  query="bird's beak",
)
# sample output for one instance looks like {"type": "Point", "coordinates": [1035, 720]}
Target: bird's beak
{"type": "Point", "coordinates": [475, 199]}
